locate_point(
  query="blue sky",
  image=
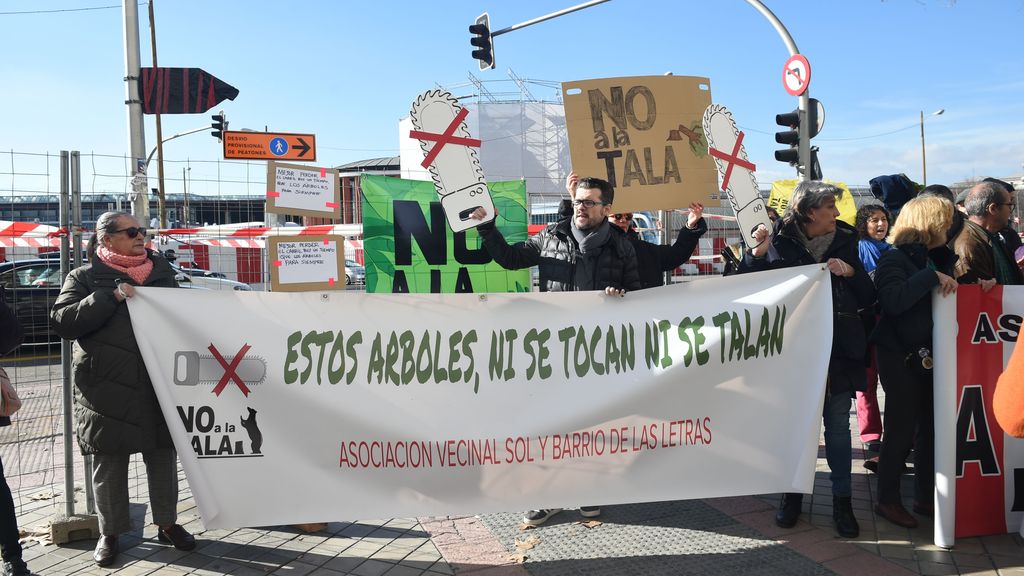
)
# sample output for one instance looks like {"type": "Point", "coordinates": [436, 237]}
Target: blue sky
{"type": "Point", "coordinates": [348, 71]}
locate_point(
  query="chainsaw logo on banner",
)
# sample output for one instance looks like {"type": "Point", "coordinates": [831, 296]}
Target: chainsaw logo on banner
{"type": "Point", "coordinates": [229, 376]}
{"type": "Point", "coordinates": [439, 122]}
{"type": "Point", "coordinates": [725, 145]}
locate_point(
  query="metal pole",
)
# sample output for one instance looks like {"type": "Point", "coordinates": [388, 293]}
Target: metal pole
{"type": "Point", "coordinates": [75, 234]}
{"type": "Point", "coordinates": [65, 346]}
{"type": "Point", "coordinates": [76, 209]}
{"type": "Point", "coordinates": [803, 101]}
{"type": "Point", "coordinates": [136, 128]}
{"type": "Point", "coordinates": [547, 17]}
{"type": "Point", "coordinates": [159, 128]}
{"type": "Point", "coordinates": [924, 165]}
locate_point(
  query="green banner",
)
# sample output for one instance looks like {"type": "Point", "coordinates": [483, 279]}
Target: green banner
{"type": "Point", "coordinates": [409, 247]}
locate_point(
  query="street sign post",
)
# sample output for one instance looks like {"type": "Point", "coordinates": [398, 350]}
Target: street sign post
{"type": "Point", "coordinates": [240, 145]}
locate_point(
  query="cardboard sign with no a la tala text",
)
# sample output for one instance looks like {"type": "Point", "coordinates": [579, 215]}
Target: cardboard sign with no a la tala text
{"type": "Point", "coordinates": [643, 134]}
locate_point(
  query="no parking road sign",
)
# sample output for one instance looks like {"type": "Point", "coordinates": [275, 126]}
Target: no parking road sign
{"type": "Point", "coordinates": [269, 146]}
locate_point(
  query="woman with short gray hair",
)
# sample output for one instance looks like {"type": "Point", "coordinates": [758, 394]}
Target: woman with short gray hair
{"type": "Point", "coordinates": [810, 233]}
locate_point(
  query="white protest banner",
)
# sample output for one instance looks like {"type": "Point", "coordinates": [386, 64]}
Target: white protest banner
{"type": "Point", "coordinates": [303, 190]}
{"type": "Point", "coordinates": [306, 407]}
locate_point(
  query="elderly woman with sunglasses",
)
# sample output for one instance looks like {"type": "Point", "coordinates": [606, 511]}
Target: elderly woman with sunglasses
{"type": "Point", "coordinates": [116, 410]}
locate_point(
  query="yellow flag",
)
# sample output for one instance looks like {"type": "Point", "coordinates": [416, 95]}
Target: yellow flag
{"type": "Point", "coordinates": [782, 190]}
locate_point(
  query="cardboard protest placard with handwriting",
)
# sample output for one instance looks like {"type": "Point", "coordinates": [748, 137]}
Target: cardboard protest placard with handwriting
{"type": "Point", "coordinates": [643, 134]}
{"type": "Point", "coordinates": [303, 190]}
{"type": "Point", "coordinates": [307, 263]}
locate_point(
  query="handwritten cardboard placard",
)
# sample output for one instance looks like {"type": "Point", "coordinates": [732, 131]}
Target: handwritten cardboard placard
{"type": "Point", "coordinates": [306, 263]}
{"type": "Point", "coordinates": [303, 190]}
{"type": "Point", "coordinates": [643, 134]}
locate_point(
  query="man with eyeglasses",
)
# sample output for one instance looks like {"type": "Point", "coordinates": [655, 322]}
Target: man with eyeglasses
{"type": "Point", "coordinates": [573, 254]}
{"type": "Point", "coordinates": [984, 258]}
{"type": "Point", "coordinates": [577, 253]}
{"type": "Point", "coordinates": [653, 260]}
{"type": "Point", "coordinates": [1009, 236]}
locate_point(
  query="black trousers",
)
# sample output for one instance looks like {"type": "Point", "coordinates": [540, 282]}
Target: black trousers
{"type": "Point", "coordinates": [909, 422]}
{"type": "Point", "coordinates": [8, 521]}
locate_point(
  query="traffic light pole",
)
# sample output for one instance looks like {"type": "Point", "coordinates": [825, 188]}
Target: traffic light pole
{"type": "Point", "coordinates": [548, 17]}
{"type": "Point", "coordinates": [804, 149]}
{"type": "Point", "coordinates": [803, 101]}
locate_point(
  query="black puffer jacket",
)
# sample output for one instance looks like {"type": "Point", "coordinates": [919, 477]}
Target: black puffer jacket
{"type": "Point", "coordinates": [849, 343]}
{"type": "Point", "coordinates": [653, 260]}
{"type": "Point", "coordinates": [905, 283]}
{"type": "Point", "coordinates": [116, 410]}
{"type": "Point", "coordinates": [555, 252]}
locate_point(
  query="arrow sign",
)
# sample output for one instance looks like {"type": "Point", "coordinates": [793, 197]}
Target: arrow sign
{"type": "Point", "coordinates": [182, 91]}
{"type": "Point", "coordinates": [239, 145]}
{"type": "Point", "coordinates": [302, 146]}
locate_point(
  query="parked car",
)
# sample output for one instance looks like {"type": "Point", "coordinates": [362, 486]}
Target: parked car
{"type": "Point", "coordinates": [30, 289]}
{"type": "Point", "coordinates": [207, 279]}
{"type": "Point", "coordinates": [201, 272]}
{"type": "Point", "coordinates": [354, 272]}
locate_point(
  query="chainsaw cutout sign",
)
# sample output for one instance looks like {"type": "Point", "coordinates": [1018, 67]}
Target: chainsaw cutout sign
{"type": "Point", "coordinates": [439, 123]}
{"type": "Point", "coordinates": [642, 134]}
{"type": "Point", "coordinates": [725, 145]}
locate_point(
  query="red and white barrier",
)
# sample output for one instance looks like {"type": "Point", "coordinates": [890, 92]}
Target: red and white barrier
{"type": "Point", "coordinates": [28, 235]}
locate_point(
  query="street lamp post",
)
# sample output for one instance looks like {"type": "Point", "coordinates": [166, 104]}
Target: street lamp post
{"type": "Point", "coordinates": [924, 164]}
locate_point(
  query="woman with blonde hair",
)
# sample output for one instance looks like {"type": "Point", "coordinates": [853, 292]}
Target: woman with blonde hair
{"type": "Point", "coordinates": [905, 277]}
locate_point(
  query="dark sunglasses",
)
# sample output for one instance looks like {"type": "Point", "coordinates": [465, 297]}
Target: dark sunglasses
{"type": "Point", "coordinates": [622, 216]}
{"type": "Point", "coordinates": [132, 232]}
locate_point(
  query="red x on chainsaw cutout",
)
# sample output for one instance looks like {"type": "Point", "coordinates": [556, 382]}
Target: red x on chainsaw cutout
{"type": "Point", "coordinates": [732, 160]}
{"type": "Point", "coordinates": [446, 138]}
{"type": "Point", "coordinates": [229, 370]}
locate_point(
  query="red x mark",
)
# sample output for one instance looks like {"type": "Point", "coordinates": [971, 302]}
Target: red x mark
{"type": "Point", "coordinates": [732, 160]}
{"type": "Point", "coordinates": [442, 139]}
{"type": "Point", "coordinates": [229, 370]}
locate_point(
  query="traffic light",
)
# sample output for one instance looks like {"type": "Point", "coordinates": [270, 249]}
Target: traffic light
{"type": "Point", "coordinates": [814, 119]}
{"type": "Point", "coordinates": [481, 39]}
{"type": "Point", "coordinates": [219, 125]}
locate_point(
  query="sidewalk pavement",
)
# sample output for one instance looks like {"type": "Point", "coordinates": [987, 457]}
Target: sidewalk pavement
{"type": "Point", "coordinates": [711, 536]}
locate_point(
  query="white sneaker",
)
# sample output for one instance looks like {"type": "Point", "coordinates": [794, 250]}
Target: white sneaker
{"type": "Point", "coordinates": [590, 511]}
{"type": "Point", "coordinates": [538, 517]}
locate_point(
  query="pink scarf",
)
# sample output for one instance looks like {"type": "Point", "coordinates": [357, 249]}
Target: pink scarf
{"type": "Point", "coordinates": [138, 267]}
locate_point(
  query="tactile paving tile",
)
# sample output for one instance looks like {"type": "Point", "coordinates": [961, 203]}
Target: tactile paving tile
{"type": "Point", "coordinates": [679, 537]}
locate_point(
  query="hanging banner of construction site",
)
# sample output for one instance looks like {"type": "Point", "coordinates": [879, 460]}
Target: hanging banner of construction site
{"type": "Point", "coordinates": [290, 408]}
{"type": "Point", "coordinates": [303, 190]}
{"type": "Point", "coordinates": [408, 245]}
{"type": "Point", "coordinates": [304, 263]}
{"type": "Point", "coordinates": [643, 134]}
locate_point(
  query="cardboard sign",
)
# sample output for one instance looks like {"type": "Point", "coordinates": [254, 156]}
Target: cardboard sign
{"type": "Point", "coordinates": [451, 156]}
{"type": "Point", "coordinates": [644, 135]}
{"type": "Point", "coordinates": [306, 263]}
{"type": "Point", "coordinates": [303, 190]}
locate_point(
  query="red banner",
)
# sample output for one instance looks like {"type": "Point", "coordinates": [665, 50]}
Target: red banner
{"type": "Point", "coordinates": [989, 464]}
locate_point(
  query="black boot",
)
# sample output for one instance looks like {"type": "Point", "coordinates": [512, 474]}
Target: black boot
{"type": "Point", "coordinates": [842, 513]}
{"type": "Point", "coordinates": [789, 510]}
